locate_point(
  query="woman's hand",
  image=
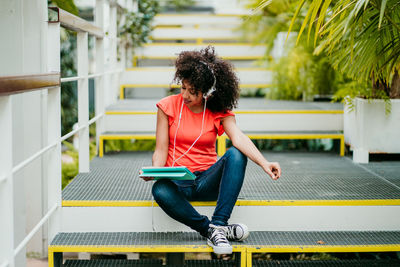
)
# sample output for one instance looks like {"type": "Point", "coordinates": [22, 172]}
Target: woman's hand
{"type": "Point", "coordinates": [273, 169]}
{"type": "Point", "coordinates": [145, 178]}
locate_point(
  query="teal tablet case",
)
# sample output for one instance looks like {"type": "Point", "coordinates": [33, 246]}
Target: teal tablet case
{"type": "Point", "coordinates": [173, 173]}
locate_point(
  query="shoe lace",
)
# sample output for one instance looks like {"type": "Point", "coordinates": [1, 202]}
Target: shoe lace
{"type": "Point", "coordinates": [230, 232]}
{"type": "Point", "coordinates": [219, 235]}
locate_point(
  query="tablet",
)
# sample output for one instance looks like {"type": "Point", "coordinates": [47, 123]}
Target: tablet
{"type": "Point", "coordinates": [173, 173]}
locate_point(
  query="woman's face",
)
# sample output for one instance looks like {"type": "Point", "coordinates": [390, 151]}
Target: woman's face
{"type": "Point", "coordinates": [192, 99]}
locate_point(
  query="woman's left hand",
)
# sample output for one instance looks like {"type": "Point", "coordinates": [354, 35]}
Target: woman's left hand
{"type": "Point", "coordinates": [273, 169]}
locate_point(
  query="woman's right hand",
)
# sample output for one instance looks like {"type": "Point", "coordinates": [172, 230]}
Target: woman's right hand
{"type": "Point", "coordinates": [145, 178]}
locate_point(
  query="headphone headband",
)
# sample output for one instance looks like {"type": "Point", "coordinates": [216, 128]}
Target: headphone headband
{"type": "Point", "coordinates": [212, 89]}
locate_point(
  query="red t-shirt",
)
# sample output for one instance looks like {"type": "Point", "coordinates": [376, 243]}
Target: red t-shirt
{"type": "Point", "coordinates": [202, 155]}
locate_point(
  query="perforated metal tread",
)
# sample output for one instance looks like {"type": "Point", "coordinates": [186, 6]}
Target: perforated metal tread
{"type": "Point", "coordinates": [145, 263]}
{"type": "Point", "coordinates": [330, 263]}
{"type": "Point", "coordinates": [245, 103]}
{"type": "Point", "coordinates": [113, 263]}
{"type": "Point", "coordinates": [306, 176]}
{"type": "Point", "coordinates": [296, 241]}
{"type": "Point", "coordinates": [389, 170]}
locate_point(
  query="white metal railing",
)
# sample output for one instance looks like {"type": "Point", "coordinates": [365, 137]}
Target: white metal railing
{"type": "Point", "coordinates": [51, 152]}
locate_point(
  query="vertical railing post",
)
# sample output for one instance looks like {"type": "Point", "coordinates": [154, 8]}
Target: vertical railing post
{"type": "Point", "coordinates": [83, 101]}
{"type": "Point", "coordinates": [6, 183]}
{"type": "Point", "coordinates": [54, 132]}
{"type": "Point", "coordinates": [100, 80]}
{"type": "Point", "coordinates": [113, 53]}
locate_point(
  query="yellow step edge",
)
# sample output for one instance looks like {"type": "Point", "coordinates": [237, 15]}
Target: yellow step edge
{"type": "Point", "coordinates": [149, 249]}
{"type": "Point", "coordinates": [125, 112]}
{"type": "Point", "coordinates": [148, 203]}
{"type": "Point", "coordinates": [322, 248]}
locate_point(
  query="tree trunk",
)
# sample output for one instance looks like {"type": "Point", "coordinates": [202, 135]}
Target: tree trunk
{"type": "Point", "coordinates": [395, 88]}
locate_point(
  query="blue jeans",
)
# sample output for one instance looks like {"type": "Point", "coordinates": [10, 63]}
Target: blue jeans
{"type": "Point", "coordinates": [221, 182]}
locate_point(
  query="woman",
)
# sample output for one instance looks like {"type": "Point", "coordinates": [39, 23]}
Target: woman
{"type": "Point", "coordinates": [187, 128]}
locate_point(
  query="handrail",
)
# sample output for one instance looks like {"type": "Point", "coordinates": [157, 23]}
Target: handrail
{"type": "Point", "coordinates": [10, 85]}
{"type": "Point", "coordinates": [76, 23]}
{"type": "Point", "coordinates": [34, 230]}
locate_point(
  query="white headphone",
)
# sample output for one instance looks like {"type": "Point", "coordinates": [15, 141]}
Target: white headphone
{"type": "Point", "coordinates": [212, 89]}
{"type": "Point", "coordinates": [205, 96]}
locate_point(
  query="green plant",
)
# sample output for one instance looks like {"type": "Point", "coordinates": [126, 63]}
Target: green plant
{"type": "Point", "coordinates": [298, 74]}
{"type": "Point", "coordinates": [136, 27]}
{"type": "Point", "coordinates": [180, 5]}
{"type": "Point", "coordinates": [361, 39]}
{"type": "Point", "coordinates": [130, 145]}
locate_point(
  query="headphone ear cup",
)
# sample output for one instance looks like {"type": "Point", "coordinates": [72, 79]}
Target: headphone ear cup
{"type": "Point", "coordinates": [209, 93]}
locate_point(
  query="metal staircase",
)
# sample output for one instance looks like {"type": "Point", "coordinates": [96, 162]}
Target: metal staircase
{"type": "Point", "coordinates": [323, 202]}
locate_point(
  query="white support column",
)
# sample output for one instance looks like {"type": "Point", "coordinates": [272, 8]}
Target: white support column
{"type": "Point", "coordinates": [54, 132]}
{"type": "Point", "coordinates": [114, 92]}
{"type": "Point", "coordinates": [360, 151]}
{"type": "Point", "coordinates": [83, 101]}
{"type": "Point", "coordinates": [6, 183]}
{"type": "Point", "coordinates": [100, 81]}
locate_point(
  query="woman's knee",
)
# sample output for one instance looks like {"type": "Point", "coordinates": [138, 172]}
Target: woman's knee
{"type": "Point", "coordinates": [237, 156]}
{"type": "Point", "coordinates": [162, 189]}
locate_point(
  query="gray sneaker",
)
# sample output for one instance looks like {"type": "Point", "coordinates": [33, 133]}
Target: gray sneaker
{"type": "Point", "coordinates": [217, 240]}
{"type": "Point", "coordinates": [236, 232]}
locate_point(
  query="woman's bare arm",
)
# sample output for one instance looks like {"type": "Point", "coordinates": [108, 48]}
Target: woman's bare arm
{"type": "Point", "coordinates": [246, 146]}
{"type": "Point", "coordinates": [162, 140]}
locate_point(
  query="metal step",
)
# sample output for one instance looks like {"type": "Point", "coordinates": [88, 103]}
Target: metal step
{"type": "Point", "coordinates": [327, 263]}
{"type": "Point", "coordinates": [252, 114]}
{"type": "Point", "coordinates": [317, 191]}
{"type": "Point", "coordinates": [145, 263]}
{"type": "Point", "coordinates": [258, 241]}
{"type": "Point", "coordinates": [113, 263]}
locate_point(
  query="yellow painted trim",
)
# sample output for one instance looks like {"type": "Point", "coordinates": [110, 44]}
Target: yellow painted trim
{"type": "Point", "coordinates": [221, 145]}
{"type": "Point", "coordinates": [129, 136]}
{"type": "Point", "coordinates": [149, 248]}
{"type": "Point", "coordinates": [101, 146]}
{"type": "Point", "coordinates": [135, 61]}
{"type": "Point", "coordinates": [121, 91]}
{"type": "Point", "coordinates": [322, 248]}
{"type": "Point", "coordinates": [342, 146]}
{"type": "Point", "coordinates": [50, 258]}
{"type": "Point", "coordinates": [294, 136]}
{"type": "Point", "coordinates": [249, 259]}
{"type": "Point", "coordinates": [147, 203]}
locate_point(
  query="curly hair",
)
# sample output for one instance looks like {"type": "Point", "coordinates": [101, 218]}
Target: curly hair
{"type": "Point", "coordinates": [195, 68]}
